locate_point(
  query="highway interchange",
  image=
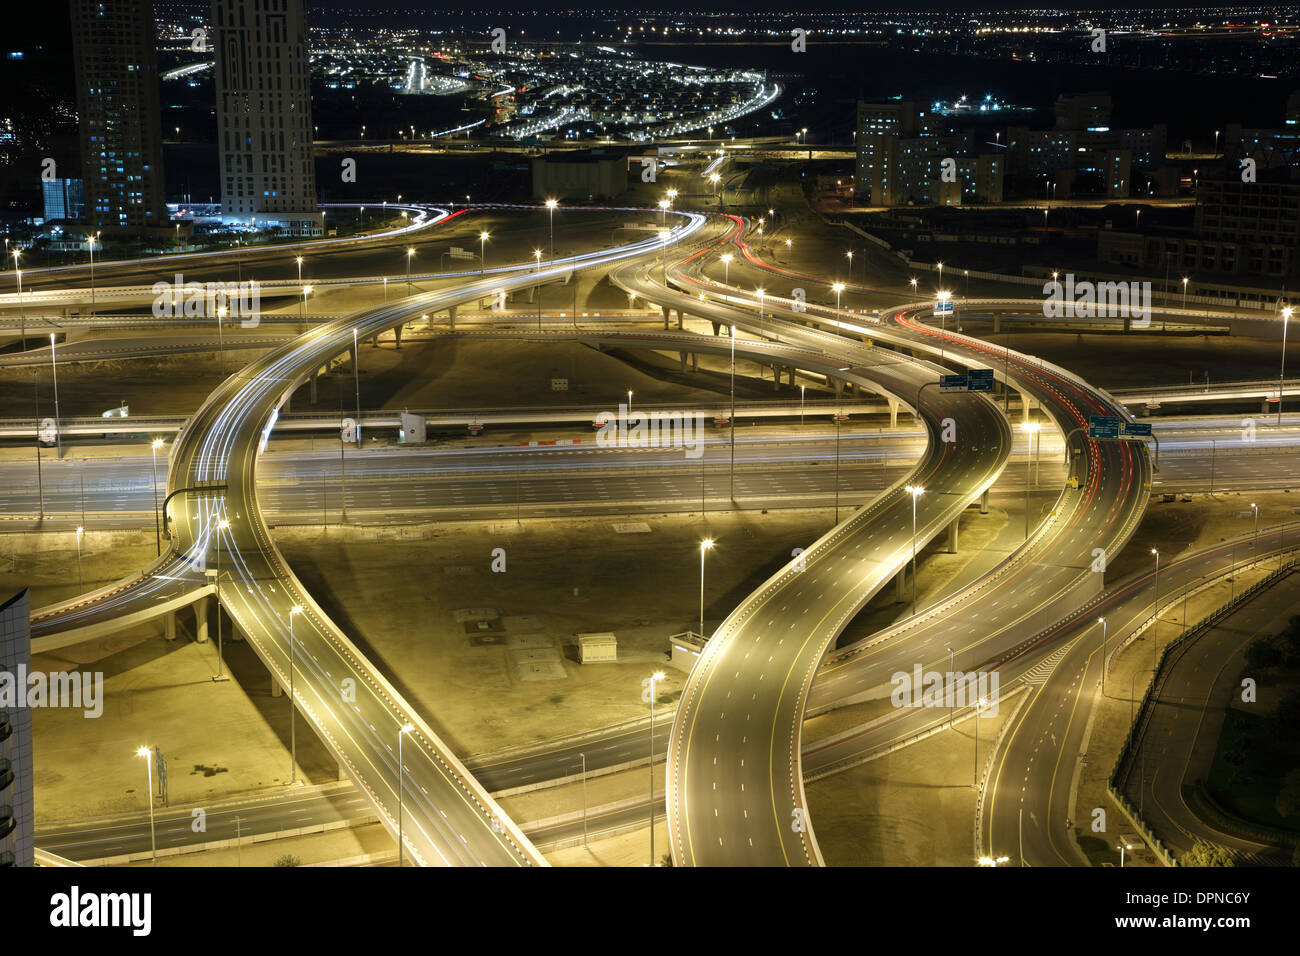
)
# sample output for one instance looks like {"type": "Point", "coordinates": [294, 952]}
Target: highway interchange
{"type": "Point", "coordinates": [736, 764]}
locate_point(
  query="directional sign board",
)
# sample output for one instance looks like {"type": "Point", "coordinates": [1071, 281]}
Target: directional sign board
{"type": "Point", "coordinates": [943, 307]}
{"type": "Point", "coordinates": [1103, 427]}
{"type": "Point", "coordinates": [1134, 430]}
{"type": "Point", "coordinates": [979, 380]}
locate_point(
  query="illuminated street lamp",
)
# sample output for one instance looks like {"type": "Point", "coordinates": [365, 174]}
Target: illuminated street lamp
{"type": "Point", "coordinates": [54, 366]}
{"type": "Point", "coordinates": [849, 255]}
{"type": "Point", "coordinates": [80, 582]}
{"type": "Point", "coordinates": [222, 525]}
{"type": "Point", "coordinates": [482, 251]}
{"type": "Point", "coordinates": [409, 254]}
{"type": "Point", "coordinates": [663, 211]}
{"type": "Point", "coordinates": [1032, 430]}
{"type": "Point", "coordinates": [293, 729]}
{"type": "Point", "coordinates": [979, 705]}
{"type": "Point", "coordinates": [1102, 622]}
{"type": "Point", "coordinates": [1255, 508]}
{"type": "Point", "coordinates": [913, 282]}
{"type": "Point", "coordinates": [705, 546]}
{"type": "Point", "coordinates": [838, 287]}
{"type": "Point", "coordinates": [537, 289]}
{"type": "Point", "coordinates": [550, 207]}
{"type": "Point", "coordinates": [157, 520]}
{"type": "Point", "coordinates": [298, 259]}
{"type": "Point", "coordinates": [147, 754]}
{"type": "Point", "coordinates": [1185, 281]}
{"type": "Point", "coordinates": [726, 258]}
{"type": "Point", "coordinates": [22, 313]}
{"type": "Point", "coordinates": [402, 732]}
{"type": "Point", "coordinates": [302, 306]}
{"type": "Point", "coordinates": [655, 678]}
{"type": "Point", "coordinates": [1155, 609]}
{"type": "Point", "coordinates": [915, 491]}
{"type": "Point", "coordinates": [1122, 847]}
{"type": "Point", "coordinates": [90, 245]}
{"type": "Point", "coordinates": [1286, 317]}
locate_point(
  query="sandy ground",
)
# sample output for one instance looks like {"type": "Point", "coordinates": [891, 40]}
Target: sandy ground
{"type": "Point", "coordinates": [474, 686]}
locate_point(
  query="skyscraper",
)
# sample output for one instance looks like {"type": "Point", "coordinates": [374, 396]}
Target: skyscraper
{"type": "Point", "coordinates": [264, 131]}
{"type": "Point", "coordinates": [117, 106]}
{"type": "Point", "coordinates": [17, 812]}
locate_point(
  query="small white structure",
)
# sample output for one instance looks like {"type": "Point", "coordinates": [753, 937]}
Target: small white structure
{"type": "Point", "coordinates": [597, 648]}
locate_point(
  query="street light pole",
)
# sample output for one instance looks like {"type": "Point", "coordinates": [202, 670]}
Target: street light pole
{"type": "Point", "coordinates": [550, 205]}
{"type": "Point", "coordinates": [147, 754]}
{"type": "Point", "coordinates": [402, 732]}
{"type": "Point", "coordinates": [58, 432]}
{"type": "Point", "coordinates": [1286, 318]}
{"type": "Point", "coordinates": [1155, 611]}
{"type": "Point", "coordinates": [22, 313]}
{"type": "Point", "coordinates": [584, 798]}
{"type": "Point", "coordinates": [654, 679]}
{"type": "Point", "coordinates": [915, 491]}
{"type": "Point", "coordinates": [1102, 622]}
{"type": "Point", "coordinates": [731, 418]}
{"type": "Point", "coordinates": [952, 685]}
{"type": "Point", "coordinates": [356, 378]}
{"type": "Point", "coordinates": [157, 522]}
{"type": "Point", "coordinates": [293, 730]}
{"type": "Point", "coordinates": [705, 546]}
{"type": "Point", "coordinates": [222, 525]}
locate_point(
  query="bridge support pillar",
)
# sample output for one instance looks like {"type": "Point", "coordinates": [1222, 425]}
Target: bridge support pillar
{"type": "Point", "coordinates": [952, 536]}
{"type": "Point", "coordinates": [343, 774]}
{"type": "Point", "coordinates": [716, 326]}
{"type": "Point", "coordinates": [1263, 407]}
{"type": "Point", "coordinates": [276, 689]}
{"type": "Point", "coordinates": [695, 361]}
{"type": "Point", "coordinates": [900, 586]}
{"type": "Point", "coordinates": [682, 356]}
{"type": "Point", "coordinates": [681, 317]}
{"type": "Point", "coordinates": [668, 315]}
{"type": "Point", "coordinates": [236, 634]}
{"type": "Point", "coordinates": [776, 378]}
{"type": "Point", "coordinates": [201, 608]}
{"type": "Point", "coordinates": [314, 375]}
{"type": "Point", "coordinates": [984, 502]}
{"type": "Point", "coordinates": [397, 337]}
{"type": "Point", "coordinates": [893, 413]}
{"type": "Point", "coordinates": [451, 318]}
{"type": "Point", "coordinates": [169, 626]}
{"type": "Point", "coordinates": [997, 323]}
{"type": "Point", "coordinates": [837, 385]}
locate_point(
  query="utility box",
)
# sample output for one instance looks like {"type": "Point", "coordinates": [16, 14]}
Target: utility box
{"type": "Point", "coordinates": [413, 429]}
{"type": "Point", "coordinates": [597, 648]}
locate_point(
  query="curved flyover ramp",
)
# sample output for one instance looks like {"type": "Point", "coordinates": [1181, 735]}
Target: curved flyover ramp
{"type": "Point", "coordinates": [735, 781]}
